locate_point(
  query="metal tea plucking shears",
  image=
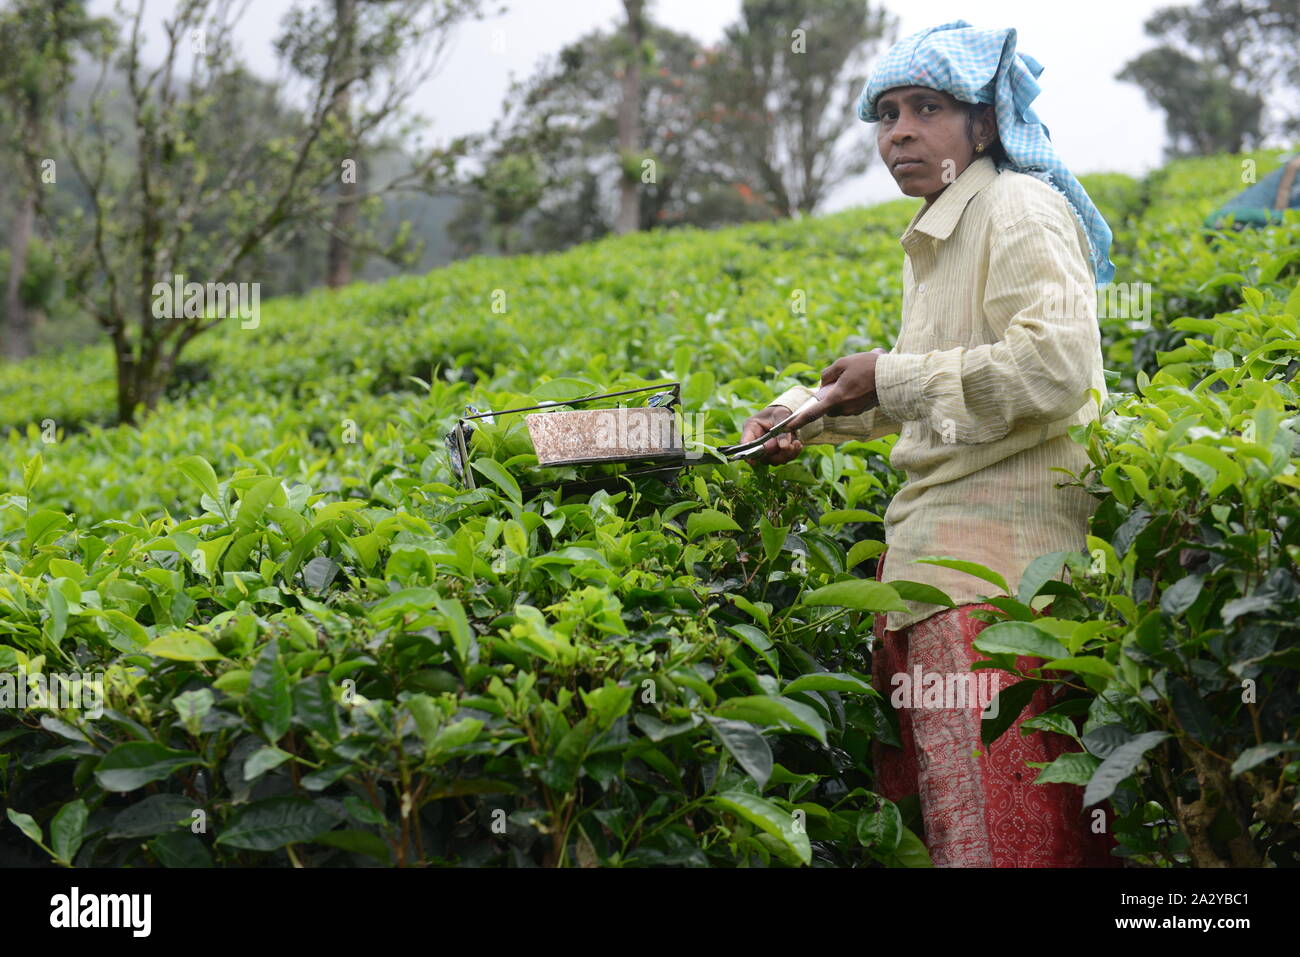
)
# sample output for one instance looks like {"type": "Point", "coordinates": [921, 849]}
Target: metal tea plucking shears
{"type": "Point", "coordinates": [749, 448]}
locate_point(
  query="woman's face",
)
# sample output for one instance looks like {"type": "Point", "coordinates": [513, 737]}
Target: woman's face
{"type": "Point", "coordinates": [922, 138]}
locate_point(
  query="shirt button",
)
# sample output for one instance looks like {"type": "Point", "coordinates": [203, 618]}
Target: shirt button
{"type": "Point", "coordinates": [921, 288]}
{"type": "Point", "coordinates": [907, 431]}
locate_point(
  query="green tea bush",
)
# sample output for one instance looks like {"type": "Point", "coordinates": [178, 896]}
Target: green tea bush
{"type": "Point", "coordinates": [319, 649]}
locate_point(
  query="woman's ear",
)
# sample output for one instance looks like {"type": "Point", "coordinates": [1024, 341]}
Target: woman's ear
{"type": "Point", "coordinates": [986, 126]}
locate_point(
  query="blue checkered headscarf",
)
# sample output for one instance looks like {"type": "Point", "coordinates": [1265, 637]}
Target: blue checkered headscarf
{"type": "Point", "coordinates": [982, 66]}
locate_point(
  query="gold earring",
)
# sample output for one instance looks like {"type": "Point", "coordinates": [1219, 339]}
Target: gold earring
{"type": "Point", "coordinates": [980, 148]}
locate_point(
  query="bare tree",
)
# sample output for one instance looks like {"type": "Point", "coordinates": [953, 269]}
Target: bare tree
{"type": "Point", "coordinates": [385, 50]}
{"type": "Point", "coordinates": [185, 169]}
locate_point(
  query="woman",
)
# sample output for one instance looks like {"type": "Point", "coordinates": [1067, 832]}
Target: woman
{"type": "Point", "coordinates": [997, 352]}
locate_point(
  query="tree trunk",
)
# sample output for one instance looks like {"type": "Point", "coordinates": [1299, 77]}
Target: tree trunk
{"type": "Point", "coordinates": [127, 389]}
{"type": "Point", "coordinates": [339, 268]}
{"type": "Point", "coordinates": [138, 383]}
{"type": "Point", "coordinates": [629, 120]}
{"type": "Point", "coordinates": [345, 221]}
{"type": "Point", "coordinates": [18, 328]}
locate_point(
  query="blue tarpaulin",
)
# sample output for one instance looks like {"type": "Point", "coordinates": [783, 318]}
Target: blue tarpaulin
{"type": "Point", "coordinates": [1259, 205]}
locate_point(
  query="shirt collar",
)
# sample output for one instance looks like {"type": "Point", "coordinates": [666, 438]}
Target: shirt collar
{"type": "Point", "coordinates": [941, 218]}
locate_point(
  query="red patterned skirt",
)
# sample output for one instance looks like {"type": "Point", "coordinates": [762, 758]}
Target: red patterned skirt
{"type": "Point", "coordinates": [979, 806]}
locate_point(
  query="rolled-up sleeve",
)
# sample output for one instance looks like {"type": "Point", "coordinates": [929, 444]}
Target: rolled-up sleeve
{"type": "Point", "coordinates": [1040, 288]}
{"type": "Point", "coordinates": [834, 429]}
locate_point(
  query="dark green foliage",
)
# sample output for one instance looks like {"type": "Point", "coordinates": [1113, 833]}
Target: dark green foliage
{"type": "Point", "coordinates": [319, 649]}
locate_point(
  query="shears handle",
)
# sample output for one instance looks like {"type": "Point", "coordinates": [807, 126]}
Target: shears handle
{"type": "Point", "coordinates": [752, 446]}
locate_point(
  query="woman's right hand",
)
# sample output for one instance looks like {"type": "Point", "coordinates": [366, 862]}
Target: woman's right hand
{"type": "Point", "coordinates": [776, 451]}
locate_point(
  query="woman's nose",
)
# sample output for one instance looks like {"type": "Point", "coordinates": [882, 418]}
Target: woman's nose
{"type": "Point", "coordinates": [902, 130]}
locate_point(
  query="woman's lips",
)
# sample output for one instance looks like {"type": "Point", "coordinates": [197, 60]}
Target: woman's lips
{"type": "Point", "coordinates": [909, 165]}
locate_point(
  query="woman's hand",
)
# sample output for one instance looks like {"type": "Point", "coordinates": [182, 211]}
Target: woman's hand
{"type": "Point", "coordinates": [848, 388]}
{"type": "Point", "coordinates": [779, 450]}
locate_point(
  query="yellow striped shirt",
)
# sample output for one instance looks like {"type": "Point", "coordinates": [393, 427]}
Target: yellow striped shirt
{"type": "Point", "coordinates": [997, 349]}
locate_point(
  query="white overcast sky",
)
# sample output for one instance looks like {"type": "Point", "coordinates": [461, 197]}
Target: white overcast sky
{"type": "Point", "coordinates": [1097, 123]}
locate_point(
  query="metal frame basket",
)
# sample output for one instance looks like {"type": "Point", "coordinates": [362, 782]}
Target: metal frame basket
{"type": "Point", "coordinates": [662, 463]}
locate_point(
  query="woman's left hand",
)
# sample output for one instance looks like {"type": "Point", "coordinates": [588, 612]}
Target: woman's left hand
{"type": "Point", "coordinates": [848, 388]}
